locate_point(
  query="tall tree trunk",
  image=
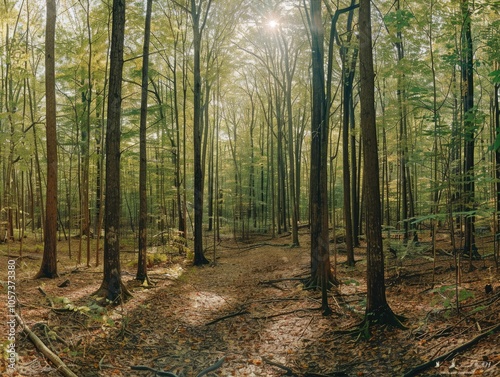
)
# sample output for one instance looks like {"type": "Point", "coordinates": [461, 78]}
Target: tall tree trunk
{"type": "Point", "coordinates": [100, 140]}
{"type": "Point", "coordinates": [496, 107]}
{"type": "Point", "coordinates": [289, 73]}
{"type": "Point", "coordinates": [112, 287]}
{"type": "Point", "coordinates": [348, 80]}
{"type": "Point", "coordinates": [49, 260]}
{"type": "Point", "coordinates": [377, 308]}
{"type": "Point", "coordinates": [199, 257]}
{"type": "Point", "coordinates": [405, 179]}
{"type": "Point", "coordinates": [469, 125]}
{"type": "Point", "coordinates": [321, 274]}
{"type": "Point", "coordinates": [142, 270]}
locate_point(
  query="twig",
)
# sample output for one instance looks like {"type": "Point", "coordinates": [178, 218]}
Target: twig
{"type": "Point", "coordinates": [61, 367]}
{"type": "Point", "coordinates": [419, 368]}
{"type": "Point", "coordinates": [49, 300]}
{"type": "Point", "coordinates": [157, 372]}
{"type": "Point", "coordinates": [285, 313]}
{"type": "Point", "coordinates": [241, 312]}
{"type": "Point", "coordinates": [289, 372]}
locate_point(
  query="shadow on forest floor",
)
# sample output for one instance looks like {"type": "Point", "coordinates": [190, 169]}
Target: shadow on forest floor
{"type": "Point", "coordinates": [251, 308]}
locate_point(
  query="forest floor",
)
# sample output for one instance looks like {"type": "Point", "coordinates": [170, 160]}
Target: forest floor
{"type": "Point", "coordinates": [250, 308]}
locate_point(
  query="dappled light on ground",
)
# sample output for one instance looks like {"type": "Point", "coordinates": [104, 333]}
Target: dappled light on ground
{"type": "Point", "coordinates": [251, 309]}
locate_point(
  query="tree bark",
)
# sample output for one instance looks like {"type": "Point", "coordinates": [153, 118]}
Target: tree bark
{"type": "Point", "coordinates": [469, 125]}
{"type": "Point", "coordinates": [377, 308]}
{"type": "Point", "coordinates": [199, 257]}
{"type": "Point", "coordinates": [142, 271]}
{"type": "Point", "coordinates": [112, 287]}
{"type": "Point", "coordinates": [49, 260]}
{"type": "Point", "coordinates": [321, 274]}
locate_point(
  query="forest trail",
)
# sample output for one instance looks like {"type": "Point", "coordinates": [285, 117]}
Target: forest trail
{"type": "Point", "coordinates": [251, 309]}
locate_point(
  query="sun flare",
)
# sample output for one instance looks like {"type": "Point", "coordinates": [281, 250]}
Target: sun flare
{"type": "Point", "coordinates": [273, 24]}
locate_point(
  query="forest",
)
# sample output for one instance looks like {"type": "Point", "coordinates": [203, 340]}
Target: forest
{"type": "Point", "coordinates": [250, 188]}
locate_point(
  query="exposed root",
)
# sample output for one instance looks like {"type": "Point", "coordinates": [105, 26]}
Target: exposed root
{"type": "Point", "coordinates": [384, 317]}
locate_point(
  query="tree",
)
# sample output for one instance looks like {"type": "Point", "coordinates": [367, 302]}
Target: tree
{"type": "Point", "coordinates": [377, 308]}
{"type": "Point", "coordinates": [112, 287]}
{"type": "Point", "coordinates": [469, 125]}
{"type": "Point", "coordinates": [349, 59]}
{"type": "Point", "coordinates": [49, 260]}
{"type": "Point", "coordinates": [321, 274]}
{"type": "Point", "coordinates": [142, 272]}
{"type": "Point", "coordinates": [196, 13]}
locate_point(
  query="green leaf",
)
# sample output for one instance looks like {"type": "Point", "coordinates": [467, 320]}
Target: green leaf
{"type": "Point", "coordinates": [495, 76]}
{"type": "Point", "coordinates": [399, 19]}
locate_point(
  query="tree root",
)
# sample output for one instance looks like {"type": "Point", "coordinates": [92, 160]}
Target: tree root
{"type": "Point", "coordinates": [382, 317]}
{"type": "Point", "coordinates": [431, 363]}
{"type": "Point", "coordinates": [61, 367]}
{"type": "Point", "coordinates": [315, 283]}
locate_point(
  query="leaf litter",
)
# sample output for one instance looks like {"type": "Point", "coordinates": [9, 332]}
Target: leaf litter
{"type": "Point", "coordinates": [251, 309]}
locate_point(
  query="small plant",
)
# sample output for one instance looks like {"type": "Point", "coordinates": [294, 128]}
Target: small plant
{"type": "Point", "coordinates": [447, 293]}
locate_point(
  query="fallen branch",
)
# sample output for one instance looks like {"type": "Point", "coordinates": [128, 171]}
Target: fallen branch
{"type": "Point", "coordinates": [61, 367]}
{"type": "Point", "coordinates": [286, 313]}
{"type": "Point", "coordinates": [419, 368]}
{"type": "Point", "coordinates": [211, 368]}
{"type": "Point", "coordinates": [241, 312]}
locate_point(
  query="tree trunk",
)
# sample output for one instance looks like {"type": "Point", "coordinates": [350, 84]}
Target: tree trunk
{"type": "Point", "coordinates": [142, 270]}
{"type": "Point", "coordinates": [496, 123]}
{"type": "Point", "coordinates": [377, 308]}
{"type": "Point", "coordinates": [112, 288]}
{"type": "Point", "coordinates": [321, 274]}
{"type": "Point", "coordinates": [469, 126]}
{"type": "Point", "coordinates": [199, 257]}
{"type": "Point", "coordinates": [289, 73]}
{"type": "Point", "coordinates": [49, 260]}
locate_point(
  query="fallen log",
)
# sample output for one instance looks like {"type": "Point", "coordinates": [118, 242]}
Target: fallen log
{"type": "Point", "coordinates": [61, 366]}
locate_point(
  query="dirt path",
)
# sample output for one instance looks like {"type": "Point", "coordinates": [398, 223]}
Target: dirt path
{"type": "Point", "coordinates": [195, 316]}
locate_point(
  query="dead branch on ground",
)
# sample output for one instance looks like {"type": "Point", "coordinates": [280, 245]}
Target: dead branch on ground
{"type": "Point", "coordinates": [61, 366]}
{"type": "Point", "coordinates": [240, 312]}
{"type": "Point", "coordinates": [419, 368]}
